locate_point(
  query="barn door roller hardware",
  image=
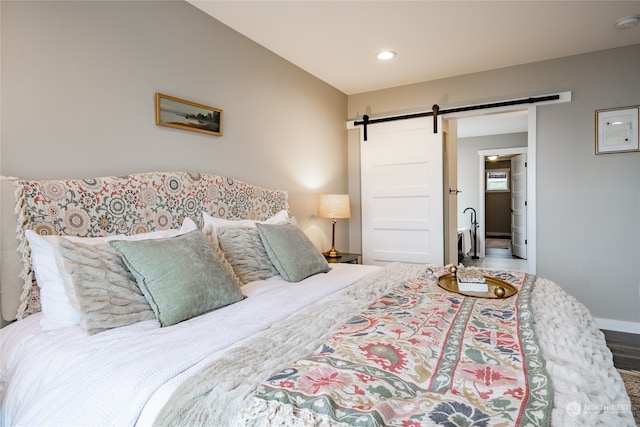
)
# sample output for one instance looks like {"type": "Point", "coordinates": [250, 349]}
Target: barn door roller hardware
{"type": "Point", "coordinates": [435, 111]}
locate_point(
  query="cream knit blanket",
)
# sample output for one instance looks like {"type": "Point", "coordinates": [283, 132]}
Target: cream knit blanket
{"type": "Point", "coordinates": [588, 390]}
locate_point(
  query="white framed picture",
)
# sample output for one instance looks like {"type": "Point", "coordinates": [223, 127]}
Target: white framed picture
{"type": "Point", "coordinates": [617, 130]}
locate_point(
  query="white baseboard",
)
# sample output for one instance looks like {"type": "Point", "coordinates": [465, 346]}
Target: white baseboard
{"type": "Point", "coordinates": [618, 325]}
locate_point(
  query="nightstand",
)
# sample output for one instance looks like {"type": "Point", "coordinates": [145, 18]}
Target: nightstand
{"type": "Point", "coordinates": [346, 258]}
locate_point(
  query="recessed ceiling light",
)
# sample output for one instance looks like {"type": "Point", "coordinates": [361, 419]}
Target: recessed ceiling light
{"type": "Point", "coordinates": [492, 158]}
{"type": "Point", "coordinates": [385, 55]}
{"type": "Point", "coordinates": [627, 22]}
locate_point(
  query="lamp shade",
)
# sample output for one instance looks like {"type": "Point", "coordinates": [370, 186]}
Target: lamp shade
{"type": "Point", "coordinates": [334, 206]}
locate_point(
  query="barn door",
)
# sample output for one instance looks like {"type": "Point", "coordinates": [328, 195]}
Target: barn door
{"type": "Point", "coordinates": [402, 193]}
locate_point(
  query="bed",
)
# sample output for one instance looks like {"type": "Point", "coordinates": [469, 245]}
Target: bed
{"type": "Point", "coordinates": [192, 299]}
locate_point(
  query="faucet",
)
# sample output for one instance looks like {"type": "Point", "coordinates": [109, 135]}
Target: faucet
{"type": "Point", "coordinates": [473, 216]}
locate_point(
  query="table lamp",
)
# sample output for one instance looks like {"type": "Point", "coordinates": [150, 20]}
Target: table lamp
{"type": "Point", "coordinates": [334, 206]}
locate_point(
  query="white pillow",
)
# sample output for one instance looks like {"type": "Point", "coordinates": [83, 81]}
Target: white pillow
{"type": "Point", "coordinates": [216, 223]}
{"type": "Point", "coordinates": [57, 311]}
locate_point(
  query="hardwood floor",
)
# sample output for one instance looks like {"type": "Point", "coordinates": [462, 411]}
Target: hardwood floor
{"type": "Point", "coordinates": [625, 348]}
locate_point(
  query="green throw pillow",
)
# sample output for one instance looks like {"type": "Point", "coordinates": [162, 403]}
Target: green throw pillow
{"type": "Point", "coordinates": [291, 251]}
{"type": "Point", "coordinates": [180, 276]}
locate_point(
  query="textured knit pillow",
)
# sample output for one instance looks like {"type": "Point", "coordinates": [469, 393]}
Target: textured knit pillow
{"type": "Point", "coordinates": [291, 251]}
{"type": "Point", "coordinates": [57, 311]}
{"type": "Point", "coordinates": [243, 249]}
{"type": "Point", "coordinates": [181, 276]}
{"type": "Point", "coordinates": [99, 286]}
{"type": "Point", "coordinates": [250, 271]}
{"type": "Point", "coordinates": [212, 224]}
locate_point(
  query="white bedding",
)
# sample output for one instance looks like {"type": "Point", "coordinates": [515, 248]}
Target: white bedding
{"type": "Point", "coordinates": [134, 369]}
{"type": "Point", "coordinates": [125, 376]}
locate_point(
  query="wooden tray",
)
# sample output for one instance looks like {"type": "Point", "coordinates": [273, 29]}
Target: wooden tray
{"type": "Point", "coordinates": [449, 282]}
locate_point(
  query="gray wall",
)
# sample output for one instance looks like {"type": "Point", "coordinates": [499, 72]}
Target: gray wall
{"type": "Point", "coordinates": [588, 206]}
{"type": "Point", "coordinates": [78, 81]}
{"type": "Point", "coordinates": [78, 85]}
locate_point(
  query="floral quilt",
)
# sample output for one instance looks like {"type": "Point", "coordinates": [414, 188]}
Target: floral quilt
{"type": "Point", "coordinates": [421, 355]}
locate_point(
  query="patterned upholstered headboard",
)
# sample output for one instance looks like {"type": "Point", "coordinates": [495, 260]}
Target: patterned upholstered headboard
{"type": "Point", "coordinates": [131, 204]}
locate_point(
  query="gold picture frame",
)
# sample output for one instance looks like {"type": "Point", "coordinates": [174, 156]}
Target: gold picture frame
{"type": "Point", "coordinates": [617, 130]}
{"type": "Point", "coordinates": [187, 115]}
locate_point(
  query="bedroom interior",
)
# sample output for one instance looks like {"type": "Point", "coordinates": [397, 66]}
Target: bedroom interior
{"type": "Point", "coordinates": [289, 127]}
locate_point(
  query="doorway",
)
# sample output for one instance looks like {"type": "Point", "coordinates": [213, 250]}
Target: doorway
{"type": "Point", "coordinates": [494, 215]}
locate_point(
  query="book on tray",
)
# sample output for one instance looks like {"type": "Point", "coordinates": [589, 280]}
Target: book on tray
{"type": "Point", "coordinates": [471, 281]}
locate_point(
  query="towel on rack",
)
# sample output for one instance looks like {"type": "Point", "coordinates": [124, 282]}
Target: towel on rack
{"type": "Point", "coordinates": [466, 240]}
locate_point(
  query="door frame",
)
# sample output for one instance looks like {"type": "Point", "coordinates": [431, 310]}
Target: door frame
{"type": "Point", "coordinates": [530, 149]}
{"type": "Point", "coordinates": [531, 177]}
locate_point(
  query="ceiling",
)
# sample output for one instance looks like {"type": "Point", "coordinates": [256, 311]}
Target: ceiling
{"type": "Point", "coordinates": [336, 41]}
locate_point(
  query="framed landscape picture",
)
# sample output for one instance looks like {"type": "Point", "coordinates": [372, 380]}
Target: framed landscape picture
{"type": "Point", "coordinates": [182, 114]}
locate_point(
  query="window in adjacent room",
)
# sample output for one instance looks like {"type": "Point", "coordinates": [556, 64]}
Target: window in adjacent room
{"type": "Point", "coordinates": [497, 180]}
